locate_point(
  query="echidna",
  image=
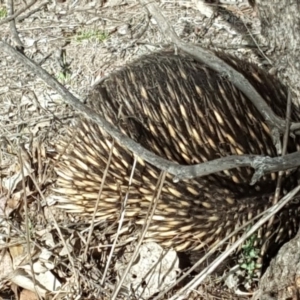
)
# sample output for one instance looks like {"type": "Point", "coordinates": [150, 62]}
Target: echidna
{"type": "Point", "coordinates": [185, 112]}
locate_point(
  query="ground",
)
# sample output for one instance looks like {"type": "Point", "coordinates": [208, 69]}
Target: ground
{"type": "Point", "coordinates": [78, 43]}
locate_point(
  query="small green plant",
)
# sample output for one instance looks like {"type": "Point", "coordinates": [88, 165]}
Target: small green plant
{"type": "Point", "coordinates": [3, 12]}
{"type": "Point", "coordinates": [97, 35]}
{"type": "Point", "coordinates": [249, 257]}
{"type": "Point", "coordinates": [63, 77]}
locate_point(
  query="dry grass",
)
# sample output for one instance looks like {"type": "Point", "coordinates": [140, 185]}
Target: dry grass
{"type": "Point", "coordinates": [78, 44]}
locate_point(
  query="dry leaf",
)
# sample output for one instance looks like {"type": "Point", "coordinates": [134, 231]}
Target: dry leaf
{"type": "Point", "coordinates": [156, 269]}
{"type": "Point", "coordinates": [28, 295]}
{"type": "Point", "coordinates": [5, 265]}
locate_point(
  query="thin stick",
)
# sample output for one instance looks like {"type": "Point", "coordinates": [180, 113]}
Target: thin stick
{"type": "Point", "coordinates": [200, 277]}
{"type": "Point", "coordinates": [217, 64]}
{"type": "Point", "coordinates": [122, 217]}
{"type": "Point", "coordinates": [12, 23]}
{"type": "Point", "coordinates": [209, 253]}
{"type": "Point", "coordinates": [284, 150]}
{"type": "Point", "coordinates": [27, 222]}
{"type": "Point", "coordinates": [13, 16]}
{"type": "Point", "coordinates": [155, 199]}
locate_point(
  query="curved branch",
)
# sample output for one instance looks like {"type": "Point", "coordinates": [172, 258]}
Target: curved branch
{"type": "Point", "coordinates": [217, 64]}
{"type": "Point", "coordinates": [261, 164]}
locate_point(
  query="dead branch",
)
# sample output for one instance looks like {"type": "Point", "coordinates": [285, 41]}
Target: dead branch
{"type": "Point", "coordinates": [269, 213]}
{"type": "Point", "coordinates": [17, 13]}
{"type": "Point", "coordinates": [217, 64]}
{"type": "Point", "coordinates": [261, 164]}
{"type": "Point", "coordinates": [12, 24]}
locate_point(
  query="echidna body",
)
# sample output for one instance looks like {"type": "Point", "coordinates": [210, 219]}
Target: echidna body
{"type": "Point", "coordinates": [185, 112]}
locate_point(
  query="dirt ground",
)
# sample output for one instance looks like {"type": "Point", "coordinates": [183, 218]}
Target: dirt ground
{"type": "Point", "coordinates": [78, 43]}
